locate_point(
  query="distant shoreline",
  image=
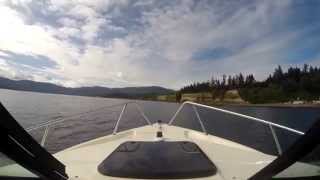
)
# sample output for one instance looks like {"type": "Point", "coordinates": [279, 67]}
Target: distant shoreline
{"type": "Point", "coordinates": [233, 98]}
{"type": "Point", "coordinates": [278, 105]}
{"type": "Point", "coordinates": [273, 105]}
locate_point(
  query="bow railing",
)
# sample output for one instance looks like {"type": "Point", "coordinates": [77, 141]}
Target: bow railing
{"type": "Point", "coordinates": [49, 124]}
{"type": "Point", "coordinates": [268, 123]}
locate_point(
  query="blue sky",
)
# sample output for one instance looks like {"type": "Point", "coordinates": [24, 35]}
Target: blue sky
{"type": "Point", "coordinates": [169, 43]}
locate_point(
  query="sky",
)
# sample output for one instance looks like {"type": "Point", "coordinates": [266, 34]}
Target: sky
{"type": "Point", "coordinates": [169, 43]}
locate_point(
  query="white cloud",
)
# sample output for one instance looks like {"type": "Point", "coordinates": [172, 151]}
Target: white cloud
{"type": "Point", "coordinates": [68, 22]}
{"type": "Point", "coordinates": [156, 47]}
{"type": "Point", "coordinates": [144, 3]}
{"type": "Point", "coordinates": [5, 70]}
{"type": "Point", "coordinates": [82, 11]}
{"type": "Point", "coordinates": [91, 28]}
{"type": "Point", "coordinates": [18, 37]}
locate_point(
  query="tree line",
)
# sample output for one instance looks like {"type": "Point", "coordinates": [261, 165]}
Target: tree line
{"type": "Point", "coordinates": [280, 86]}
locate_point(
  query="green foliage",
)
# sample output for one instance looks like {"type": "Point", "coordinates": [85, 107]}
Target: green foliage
{"type": "Point", "coordinates": [218, 93]}
{"type": "Point", "coordinates": [270, 94]}
{"type": "Point", "coordinates": [296, 83]}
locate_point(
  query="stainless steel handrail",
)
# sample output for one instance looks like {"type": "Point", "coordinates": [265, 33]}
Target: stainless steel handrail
{"type": "Point", "coordinates": [199, 119]}
{"type": "Point", "coordinates": [49, 124]}
{"type": "Point", "coordinates": [233, 113]}
{"type": "Point", "coordinates": [115, 130]}
{"type": "Point", "coordinates": [270, 124]}
{"type": "Point", "coordinates": [62, 119]}
{"type": "Point", "coordinates": [194, 105]}
{"type": "Point", "coordinates": [275, 138]}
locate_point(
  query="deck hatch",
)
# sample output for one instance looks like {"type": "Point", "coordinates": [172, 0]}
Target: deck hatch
{"type": "Point", "coordinates": [157, 160]}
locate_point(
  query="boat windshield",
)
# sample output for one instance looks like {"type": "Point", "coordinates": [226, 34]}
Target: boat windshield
{"type": "Point", "coordinates": [296, 170]}
{"type": "Point", "coordinates": [10, 169]}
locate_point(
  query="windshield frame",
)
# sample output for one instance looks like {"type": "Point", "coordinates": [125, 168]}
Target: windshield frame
{"type": "Point", "coordinates": [20, 147]}
{"type": "Point", "coordinates": [303, 146]}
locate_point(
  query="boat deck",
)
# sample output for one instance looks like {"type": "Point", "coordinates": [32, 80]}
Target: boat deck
{"type": "Point", "coordinates": [233, 161]}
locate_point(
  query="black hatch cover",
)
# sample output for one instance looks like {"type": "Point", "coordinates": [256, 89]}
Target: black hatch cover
{"type": "Point", "coordinates": [157, 160]}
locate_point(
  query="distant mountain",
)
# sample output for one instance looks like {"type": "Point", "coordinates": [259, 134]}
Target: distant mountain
{"type": "Point", "coordinates": [127, 92]}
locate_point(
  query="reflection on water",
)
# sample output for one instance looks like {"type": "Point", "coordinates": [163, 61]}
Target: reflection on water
{"type": "Point", "coordinates": [33, 108]}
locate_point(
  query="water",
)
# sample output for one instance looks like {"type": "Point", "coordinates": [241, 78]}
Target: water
{"type": "Point", "coordinates": [86, 122]}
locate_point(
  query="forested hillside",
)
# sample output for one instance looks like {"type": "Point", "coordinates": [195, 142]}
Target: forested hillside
{"type": "Point", "coordinates": [281, 86]}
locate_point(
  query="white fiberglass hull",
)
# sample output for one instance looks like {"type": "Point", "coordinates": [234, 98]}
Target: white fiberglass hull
{"type": "Point", "coordinates": [234, 161]}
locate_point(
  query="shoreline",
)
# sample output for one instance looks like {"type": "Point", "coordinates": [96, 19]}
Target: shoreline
{"type": "Point", "coordinates": [273, 105]}
{"type": "Point", "coordinates": [278, 105]}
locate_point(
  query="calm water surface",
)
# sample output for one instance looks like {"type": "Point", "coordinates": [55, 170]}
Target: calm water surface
{"type": "Point", "coordinates": [90, 117]}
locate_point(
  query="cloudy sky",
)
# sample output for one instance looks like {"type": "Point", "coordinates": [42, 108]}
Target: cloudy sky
{"type": "Point", "coordinates": [169, 43]}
